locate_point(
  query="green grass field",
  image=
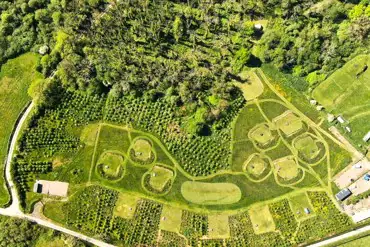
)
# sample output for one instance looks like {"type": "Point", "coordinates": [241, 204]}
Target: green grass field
{"type": "Point", "coordinates": [218, 226]}
{"type": "Point", "coordinates": [142, 149]}
{"type": "Point", "coordinates": [210, 193]}
{"type": "Point", "coordinates": [253, 86]}
{"type": "Point", "coordinates": [159, 177]}
{"type": "Point", "coordinates": [111, 164]}
{"type": "Point", "coordinates": [255, 165]}
{"type": "Point", "coordinates": [262, 134]}
{"type": "Point", "coordinates": [347, 92]}
{"type": "Point", "coordinates": [298, 204]}
{"type": "Point", "coordinates": [261, 219]}
{"type": "Point", "coordinates": [170, 219]}
{"type": "Point", "coordinates": [289, 123]}
{"type": "Point", "coordinates": [15, 78]}
{"type": "Point", "coordinates": [125, 206]}
{"type": "Point", "coordinates": [307, 146]}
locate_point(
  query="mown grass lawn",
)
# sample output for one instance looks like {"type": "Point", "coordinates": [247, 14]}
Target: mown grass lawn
{"type": "Point", "coordinates": [15, 78]}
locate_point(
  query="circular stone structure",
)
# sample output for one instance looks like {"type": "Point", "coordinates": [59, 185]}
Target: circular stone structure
{"type": "Point", "coordinates": [110, 165]}
{"type": "Point", "coordinates": [141, 151]}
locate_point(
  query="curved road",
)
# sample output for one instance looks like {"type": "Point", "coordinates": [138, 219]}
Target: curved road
{"type": "Point", "coordinates": [14, 210]}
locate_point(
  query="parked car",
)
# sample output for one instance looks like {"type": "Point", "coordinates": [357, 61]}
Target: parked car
{"type": "Point", "coordinates": [367, 177]}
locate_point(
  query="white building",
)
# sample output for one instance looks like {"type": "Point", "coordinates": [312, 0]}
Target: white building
{"type": "Point", "coordinates": [366, 137]}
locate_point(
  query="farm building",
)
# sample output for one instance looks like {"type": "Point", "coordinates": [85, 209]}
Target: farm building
{"type": "Point", "coordinates": [366, 137]}
{"type": "Point", "coordinates": [53, 188]}
{"type": "Point", "coordinates": [343, 194]}
{"type": "Point", "coordinates": [341, 119]}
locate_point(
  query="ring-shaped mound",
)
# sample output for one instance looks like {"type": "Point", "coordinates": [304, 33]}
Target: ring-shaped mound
{"type": "Point", "coordinates": [257, 167]}
{"type": "Point", "coordinates": [159, 179]}
{"type": "Point", "coordinates": [262, 136]}
{"type": "Point", "coordinates": [210, 193]}
{"type": "Point", "coordinates": [141, 151]}
{"type": "Point", "coordinates": [310, 150]}
{"type": "Point", "coordinates": [286, 168]}
{"type": "Point", "coordinates": [110, 165]}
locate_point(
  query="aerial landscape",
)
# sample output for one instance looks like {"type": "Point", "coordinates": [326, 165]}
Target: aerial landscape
{"type": "Point", "coordinates": [185, 123]}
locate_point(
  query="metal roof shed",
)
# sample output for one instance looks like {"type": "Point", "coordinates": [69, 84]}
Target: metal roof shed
{"type": "Point", "coordinates": [343, 194]}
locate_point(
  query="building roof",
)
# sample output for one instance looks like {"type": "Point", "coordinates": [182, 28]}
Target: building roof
{"type": "Point", "coordinates": [366, 137]}
{"type": "Point", "coordinates": [341, 119]}
{"type": "Point", "coordinates": [54, 188]}
{"type": "Point", "coordinates": [343, 194]}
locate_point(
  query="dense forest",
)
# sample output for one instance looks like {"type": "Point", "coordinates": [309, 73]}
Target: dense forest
{"type": "Point", "coordinates": [188, 51]}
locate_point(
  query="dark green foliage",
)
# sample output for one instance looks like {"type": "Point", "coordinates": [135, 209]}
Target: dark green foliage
{"type": "Point", "coordinates": [171, 239]}
{"type": "Point", "coordinates": [357, 198]}
{"type": "Point", "coordinates": [284, 218]}
{"type": "Point", "coordinates": [193, 226]}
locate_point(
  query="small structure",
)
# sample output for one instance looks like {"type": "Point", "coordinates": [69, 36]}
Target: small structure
{"type": "Point", "coordinates": [258, 26]}
{"type": "Point", "coordinates": [319, 107]}
{"type": "Point", "coordinates": [348, 129]}
{"type": "Point", "coordinates": [366, 137]}
{"type": "Point", "coordinates": [343, 194]}
{"type": "Point", "coordinates": [341, 119]}
{"type": "Point", "coordinates": [367, 177]}
{"type": "Point", "coordinates": [313, 102]}
{"type": "Point", "coordinates": [307, 211]}
{"type": "Point", "coordinates": [331, 117]}
{"type": "Point", "coordinates": [53, 188]}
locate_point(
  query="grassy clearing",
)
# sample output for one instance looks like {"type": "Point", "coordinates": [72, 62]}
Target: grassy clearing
{"type": "Point", "coordinates": [262, 134]}
{"type": "Point", "coordinates": [143, 149]}
{"type": "Point", "coordinates": [253, 86]}
{"type": "Point", "coordinates": [159, 177]}
{"type": "Point", "coordinates": [218, 226]}
{"type": "Point", "coordinates": [261, 219]}
{"type": "Point", "coordinates": [273, 109]}
{"type": "Point", "coordinates": [248, 117]}
{"type": "Point", "coordinates": [286, 168]}
{"type": "Point", "coordinates": [110, 164]}
{"type": "Point", "coordinates": [289, 123]}
{"type": "Point", "coordinates": [255, 165]}
{"type": "Point", "coordinates": [347, 92]}
{"type": "Point", "coordinates": [15, 78]}
{"type": "Point", "coordinates": [113, 138]}
{"type": "Point", "coordinates": [89, 134]}
{"type": "Point", "coordinates": [210, 193]}
{"type": "Point", "coordinates": [298, 204]}
{"type": "Point", "coordinates": [170, 219]}
{"type": "Point", "coordinates": [125, 206]}
{"type": "Point", "coordinates": [307, 146]}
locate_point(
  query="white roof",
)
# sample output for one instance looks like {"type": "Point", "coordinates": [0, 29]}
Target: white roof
{"type": "Point", "coordinates": [341, 119]}
{"type": "Point", "coordinates": [366, 137]}
{"type": "Point", "coordinates": [54, 188]}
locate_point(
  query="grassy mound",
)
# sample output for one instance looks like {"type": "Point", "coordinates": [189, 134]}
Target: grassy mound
{"type": "Point", "coordinates": [142, 151]}
{"type": "Point", "coordinates": [262, 134]}
{"type": "Point", "coordinates": [210, 193]}
{"type": "Point", "coordinates": [286, 168]}
{"type": "Point", "coordinates": [159, 177]}
{"type": "Point", "coordinates": [288, 123]}
{"type": "Point", "coordinates": [111, 165]}
{"type": "Point", "coordinates": [307, 147]}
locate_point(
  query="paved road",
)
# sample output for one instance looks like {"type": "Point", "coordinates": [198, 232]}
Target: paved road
{"type": "Point", "coordinates": [14, 210]}
{"type": "Point", "coordinates": [341, 237]}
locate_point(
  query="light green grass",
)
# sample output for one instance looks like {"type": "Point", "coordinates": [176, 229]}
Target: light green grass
{"type": "Point", "coordinates": [111, 164]}
{"type": "Point", "coordinates": [361, 242]}
{"type": "Point", "coordinates": [261, 219]}
{"type": "Point", "coordinates": [262, 134]}
{"type": "Point", "coordinates": [125, 206]}
{"type": "Point", "coordinates": [170, 219]}
{"type": "Point", "coordinates": [253, 86]}
{"type": "Point", "coordinates": [159, 177]}
{"type": "Point", "coordinates": [255, 165]}
{"type": "Point", "coordinates": [15, 78]}
{"type": "Point", "coordinates": [143, 149]}
{"type": "Point", "coordinates": [286, 168]}
{"type": "Point", "coordinates": [89, 133]}
{"type": "Point", "coordinates": [289, 123]}
{"type": "Point", "coordinates": [210, 193]}
{"type": "Point", "coordinates": [307, 146]}
{"type": "Point", "coordinates": [299, 203]}
{"type": "Point", "coordinates": [218, 226]}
